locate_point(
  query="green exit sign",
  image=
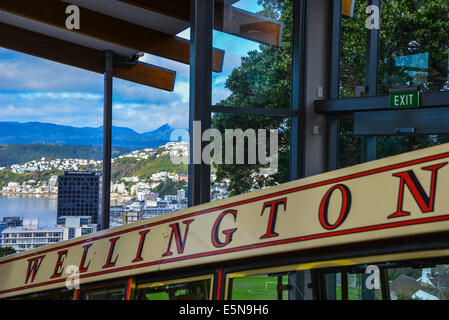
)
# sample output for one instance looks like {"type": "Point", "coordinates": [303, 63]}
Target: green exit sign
{"type": "Point", "coordinates": [404, 100]}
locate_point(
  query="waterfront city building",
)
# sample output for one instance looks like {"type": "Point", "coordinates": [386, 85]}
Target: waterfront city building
{"type": "Point", "coordinates": [76, 226]}
{"type": "Point", "coordinates": [13, 221]}
{"type": "Point", "coordinates": [79, 194]}
{"type": "Point", "coordinates": [3, 226]}
{"type": "Point", "coordinates": [30, 236]}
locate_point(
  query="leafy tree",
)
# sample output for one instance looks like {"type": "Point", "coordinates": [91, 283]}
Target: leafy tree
{"type": "Point", "coordinates": [6, 251]}
{"type": "Point", "coordinates": [412, 31]}
{"type": "Point", "coordinates": [408, 27]}
{"type": "Point", "coordinates": [263, 80]}
{"type": "Point", "coordinates": [144, 168]}
{"type": "Point", "coordinates": [6, 176]}
{"type": "Point", "coordinates": [170, 187]}
{"type": "Point", "coordinates": [20, 153]}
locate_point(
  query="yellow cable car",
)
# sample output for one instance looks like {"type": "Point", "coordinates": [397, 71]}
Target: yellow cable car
{"type": "Point", "coordinates": [373, 231]}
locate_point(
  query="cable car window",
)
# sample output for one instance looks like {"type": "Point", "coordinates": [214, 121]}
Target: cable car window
{"type": "Point", "coordinates": [104, 292]}
{"type": "Point", "coordinates": [260, 287]}
{"type": "Point", "coordinates": [419, 283]}
{"type": "Point", "coordinates": [353, 285]}
{"type": "Point", "coordinates": [278, 283]}
{"type": "Point", "coordinates": [60, 294]}
{"type": "Point", "coordinates": [198, 288]}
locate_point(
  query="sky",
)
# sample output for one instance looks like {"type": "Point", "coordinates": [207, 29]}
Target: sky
{"type": "Point", "coordinates": [34, 89]}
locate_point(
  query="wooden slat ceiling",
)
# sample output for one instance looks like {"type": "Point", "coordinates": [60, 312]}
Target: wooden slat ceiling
{"type": "Point", "coordinates": [227, 19]}
{"type": "Point", "coordinates": [126, 28]}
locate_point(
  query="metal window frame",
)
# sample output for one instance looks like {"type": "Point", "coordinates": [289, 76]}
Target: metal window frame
{"type": "Point", "coordinates": [334, 79]}
{"type": "Point", "coordinates": [371, 75]}
{"type": "Point", "coordinates": [201, 28]}
{"type": "Point", "coordinates": [337, 108]}
{"type": "Point", "coordinates": [342, 107]}
{"type": "Point", "coordinates": [107, 140]}
{"type": "Point", "coordinates": [298, 89]}
{"type": "Point", "coordinates": [201, 42]}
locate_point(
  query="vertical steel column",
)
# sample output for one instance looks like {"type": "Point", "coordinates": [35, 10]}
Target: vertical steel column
{"type": "Point", "coordinates": [369, 143]}
{"type": "Point", "coordinates": [330, 280]}
{"type": "Point", "coordinates": [372, 57]}
{"type": "Point", "coordinates": [201, 23]}
{"type": "Point", "coordinates": [298, 120]}
{"type": "Point", "coordinates": [334, 79]}
{"type": "Point", "coordinates": [298, 90]}
{"type": "Point", "coordinates": [107, 138]}
{"type": "Point", "coordinates": [335, 36]}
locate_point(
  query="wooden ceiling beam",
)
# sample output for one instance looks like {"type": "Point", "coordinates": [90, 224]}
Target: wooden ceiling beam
{"type": "Point", "coordinates": [227, 19]}
{"type": "Point", "coordinates": [109, 29]}
{"type": "Point", "coordinates": [74, 55]}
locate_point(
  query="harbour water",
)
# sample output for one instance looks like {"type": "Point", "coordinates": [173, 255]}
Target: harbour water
{"type": "Point", "coordinates": [43, 208]}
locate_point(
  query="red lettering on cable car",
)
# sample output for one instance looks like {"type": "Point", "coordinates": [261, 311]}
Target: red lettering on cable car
{"type": "Point", "coordinates": [59, 261]}
{"type": "Point", "coordinates": [345, 207]}
{"type": "Point", "coordinates": [83, 258]}
{"type": "Point", "coordinates": [425, 202]}
{"type": "Point", "coordinates": [33, 267]}
{"type": "Point", "coordinates": [274, 206]}
{"type": "Point", "coordinates": [180, 242]}
{"type": "Point", "coordinates": [109, 262]}
{"type": "Point", "coordinates": [229, 232]}
{"type": "Point", "coordinates": [143, 235]}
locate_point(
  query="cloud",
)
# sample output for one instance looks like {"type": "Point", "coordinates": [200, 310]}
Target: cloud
{"type": "Point", "coordinates": [147, 117]}
{"type": "Point", "coordinates": [20, 72]}
{"type": "Point", "coordinates": [34, 89]}
{"type": "Point", "coordinates": [74, 109]}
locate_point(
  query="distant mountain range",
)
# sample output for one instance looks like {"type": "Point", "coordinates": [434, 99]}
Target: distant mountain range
{"type": "Point", "coordinates": [48, 133]}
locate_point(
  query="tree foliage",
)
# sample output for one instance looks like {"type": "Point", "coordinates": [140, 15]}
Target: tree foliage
{"type": "Point", "coordinates": [169, 187]}
{"type": "Point", "coordinates": [144, 168]}
{"type": "Point", "coordinates": [6, 176]}
{"type": "Point", "coordinates": [20, 153]}
{"type": "Point", "coordinates": [6, 251]}
{"type": "Point", "coordinates": [412, 35]}
{"type": "Point", "coordinates": [262, 80]}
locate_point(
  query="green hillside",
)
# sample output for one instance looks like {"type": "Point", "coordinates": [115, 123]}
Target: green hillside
{"type": "Point", "coordinates": [20, 153]}
{"type": "Point", "coordinates": [6, 176]}
{"type": "Point", "coordinates": [144, 168]}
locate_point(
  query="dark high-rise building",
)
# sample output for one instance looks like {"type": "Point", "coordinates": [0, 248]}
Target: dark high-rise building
{"type": "Point", "coordinates": [13, 222]}
{"type": "Point", "coordinates": [79, 194]}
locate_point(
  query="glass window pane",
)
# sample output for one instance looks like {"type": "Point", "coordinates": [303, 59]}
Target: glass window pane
{"type": "Point", "coordinates": [270, 286]}
{"type": "Point", "coordinates": [61, 132]}
{"type": "Point", "coordinates": [259, 160]}
{"type": "Point", "coordinates": [179, 290]}
{"type": "Point", "coordinates": [145, 182]}
{"type": "Point", "coordinates": [353, 50]}
{"type": "Point", "coordinates": [353, 285]}
{"type": "Point", "coordinates": [260, 287]}
{"type": "Point", "coordinates": [104, 293]}
{"type": "Point", "coordinates": [431, 283]}
{"type": "Point", "coordinates": [414, 45]}
{"type": "Point", "coordinates": [61, 294]}
{"type": "Point", "coordinates": [350, 145]}
{"type": "Point", "coordinates": [256, 39]}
